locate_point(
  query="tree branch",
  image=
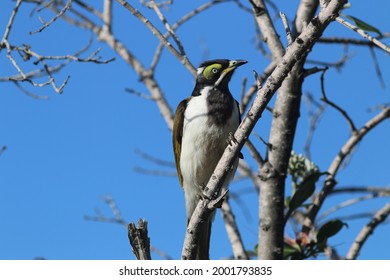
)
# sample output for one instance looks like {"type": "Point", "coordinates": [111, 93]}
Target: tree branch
{"type": "Point", "coordinates": [233, 232]}
{"type": "Point", "coordinates": [336, 163]}
{"type": "Point", "coordinates": [57, 16]}
{"type": "Point", "coordinates": [267, 28]}
{"type": "Point", "coordinates": [364, 34]}
{"type": "Point", "coordinates": [107, 16]}
{"type": "Point", "coordinates": [334, 105]}
{"type": "Point", "coordinates": [182, 58]}
{"type": "Point", "coordinates": [366, 231]}
{"type": "Point", "coordinates": [139, 240]}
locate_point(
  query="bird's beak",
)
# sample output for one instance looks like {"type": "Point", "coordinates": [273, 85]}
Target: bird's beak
{"type": "Point", "coordinates": [233, 64]}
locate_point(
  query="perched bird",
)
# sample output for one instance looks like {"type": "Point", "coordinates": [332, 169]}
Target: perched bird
{"type": "Point", "coordinates": [202, 126]}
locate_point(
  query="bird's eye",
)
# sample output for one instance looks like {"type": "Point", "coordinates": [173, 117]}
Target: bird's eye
{"type": "Point", "coordinates": [211, 71]}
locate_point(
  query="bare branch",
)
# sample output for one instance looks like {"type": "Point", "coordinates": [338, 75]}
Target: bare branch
{"type": "Point", "coordinates": [267, 28]}
{"type": "Point", "coordinates": [377, 68]}
{"type": "Point", "coordinates": [337, 162]}
{"type": "Point", "coordinates": [154, 159]}
{"type": "Point", "coordinates": [254, 153]}
{"type": "Point", "coordinates": [351, 41]}
{"type": "Point", "coordinates": [334, 105]}
{"type": "Point", "coordinates": [233, 233]}
{"type": "Point", "coordinates": [139, 240]}
{"type": "Point", "coordinates": [145, 75]}
{"type": "Point", "coordinates": [305, 12]}
{"type": "Point", "coordinates": [380, 191]}
{"type": "Point", "coordinates": [156, 8]}
{"type": "Point", "coordinates": [22, 89]}
{"type": "Point", "coordinates": [2, 149]}
{"type": "Point", "coordinates": [245, 101]}
{"type": "Point", "coordinates": [182, 58]}
{"type": "Point", "coordinates": [90, 8]}
{"type": "Point", "coordinates": [118, 219]}
{"type": "Point", "coordinates": [364, 34]}
{"type": "Point", "coordinates": [57, 16]}
{"type": "Point", "coordinates": [337, 64]}
{"type": "Point", "coordinates": [290, 39]}
{"type": "Point", "coordinates": [366, 231]}
{"type": "Point", "coordinates": [107, 16]}
{"type": "Point", "coordinates": [245, 170]}
{"type": "Point", "coordinates": [346, 203]}
{"type": "Point", "coordinates": [180, 22]}
{"type": "Point", "coordinates": [10, 22]}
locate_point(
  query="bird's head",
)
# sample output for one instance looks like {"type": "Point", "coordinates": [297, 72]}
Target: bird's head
{"type": "Point", "coordinates": [217, 72]}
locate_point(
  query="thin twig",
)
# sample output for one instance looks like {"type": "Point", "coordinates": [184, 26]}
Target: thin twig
{"type": "Point", "coordinates": [10, 23]}
{"type": "Point", "coordinates": [185, 18]}
{"type": "Point", "coordinates": [364, 34]}
{"type": "Point", "coordinates": [287, 29]}
{"type": "Point", "coordinates": [334, 105]}
{"type": "Point", "coordinates": [89, 8]}
{"type": "Point", "coordinates": [168, 27]}
{"type": "Point", "coordinates": [383, 191]}
{"type": "Point", "coordinates": [337, 64]}
{"type": "Point", "coordinates": [314, 118]}
{"type": "Point", "coordinates": [366, 231]}
{"type": "Point", "coordinates": [254, 153]}
{"type": "Point", "coordinates": [376, 66]}
{"type": "Point", "coordinates": [57, 16]}
{"type": "Point", "coordinates": [2, 150]}
{"type": "Point", "coordinates": [182, 58]}
{"type": "Point", "coordinates": [245, 170]}
{"type": "Point", "coordinates": [154, 159]}
{"type": "Point", "coordinates": [346, 203]}
{"type": "Point", "coordinates": [245, 101]}
{"type": "Point", "coordinates": [35, 96]}
{"type": "Point", "coordinates": [351, 41]}
{"type": "Point", "coordinates": [233, 232]}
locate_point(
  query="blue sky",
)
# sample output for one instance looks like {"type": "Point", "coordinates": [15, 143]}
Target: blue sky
{"type": "Point", "coordinates": [66, 153]}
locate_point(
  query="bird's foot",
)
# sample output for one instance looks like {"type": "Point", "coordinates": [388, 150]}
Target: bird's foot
{"type": "Point", "coordinates": [231, 139]}
{"type": "Point", "coordinates": [218, 200]}
{"type": "Point", "coordinates": [202, 196]}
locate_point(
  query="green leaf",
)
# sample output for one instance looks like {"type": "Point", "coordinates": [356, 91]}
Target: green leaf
{"type": "Point", "coordinates": [290, 251]}
{"type": "Point", "coordinates": [304, 190]}
{"type": "Point", "coordinates": [329, 229]}
{"type": "Point", "coordinates": [364, 25]}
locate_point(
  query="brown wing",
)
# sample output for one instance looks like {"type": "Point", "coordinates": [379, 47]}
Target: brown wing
{"type": "Point", "coordinates": [240, 155]}
{"type": "Point", "coordinates": [178, 122]}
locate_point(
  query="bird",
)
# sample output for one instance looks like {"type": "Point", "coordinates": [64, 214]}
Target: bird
{"type": "Point", "coordinates": [202, 127]}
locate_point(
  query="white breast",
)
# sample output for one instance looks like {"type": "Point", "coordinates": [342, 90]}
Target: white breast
{"type": "Point", "coordinates": [202, 146]}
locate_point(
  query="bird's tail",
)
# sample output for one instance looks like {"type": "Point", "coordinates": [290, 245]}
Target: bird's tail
{"type": "Point", "coordinates": [204, 242]}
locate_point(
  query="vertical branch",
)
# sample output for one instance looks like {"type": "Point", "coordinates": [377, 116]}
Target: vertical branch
{"type": "Point", "coordinates": [305, 12]}
{"type": "Point", "coordinates": [9, 24]}
{"type": "Point", "coordinates": [107, 16]}
{"type": "Point", "coordinates": [139, 240]}
{"type": "Point", "coordinates": [271, 198]}
{"type": "Point", "coordinates": [267, 28]}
